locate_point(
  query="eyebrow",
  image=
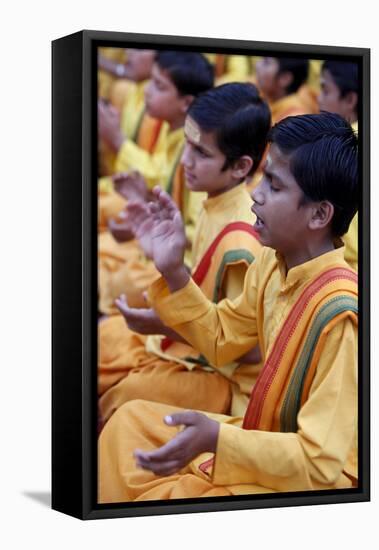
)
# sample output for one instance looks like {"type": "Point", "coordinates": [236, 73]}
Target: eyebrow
{"type": "Point", "coordinates": [269, 172]}
{"type": "Point", "coordinates": [198, 145]}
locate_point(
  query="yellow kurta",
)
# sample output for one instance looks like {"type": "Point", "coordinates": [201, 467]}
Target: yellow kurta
{"type": "Point", "coordinates": [132, 366]}
{"type": "Point", "coordinates": [291, 105]}
{"type": "Point", "coordinates": [320, 455]}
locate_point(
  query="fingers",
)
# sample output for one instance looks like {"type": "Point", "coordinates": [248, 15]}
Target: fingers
{"type": "Point", "coordinates": [122, 304]}
{"type": "Point", "coordinates": [187, 418]}
{"type": "Point", "coordinates": [166, 468]}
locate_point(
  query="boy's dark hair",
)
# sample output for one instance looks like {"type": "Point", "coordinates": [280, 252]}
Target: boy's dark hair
{"type": "Point", "coordinates": [239, 118]}
{"type": "Point", "coordinates": [345, 75]}
{"type": "Point", "coordinates": [323, 151]}
{"type": "Point", "coordinates": [191, 73]}
{"type": "Point", "coordinates": [298, 68]}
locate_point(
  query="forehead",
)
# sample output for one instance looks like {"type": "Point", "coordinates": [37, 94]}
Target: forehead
{"type": "Point", "coordinates": [327, 79]}
{"type": "Point", "coordinates": [278, 165]}
{"type": "Point", "coordinates": [161, 75]}
{"type": "Point", "coordinates": [196, 135]}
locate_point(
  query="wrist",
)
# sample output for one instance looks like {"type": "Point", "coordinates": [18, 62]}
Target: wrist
{"type": "Point", "coordinates": [176, 278]}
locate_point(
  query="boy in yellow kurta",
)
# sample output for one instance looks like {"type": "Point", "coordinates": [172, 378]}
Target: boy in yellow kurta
{"type": "Point", "coordinates": [300, 302]}
{"type": "Point", "coordinates": [339, 94]}
{"type": "Point", "coordinates": [177, 78]}
{"type": "Point", "coordinates": [280, 80]}
{"type": "Point", "coordinates": [222, 147]}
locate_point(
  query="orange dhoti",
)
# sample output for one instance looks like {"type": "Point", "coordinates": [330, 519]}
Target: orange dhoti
{"type": "Point", "coordinates": [139, 425]}
{"type": "Point", "coordinates": [128, 372]}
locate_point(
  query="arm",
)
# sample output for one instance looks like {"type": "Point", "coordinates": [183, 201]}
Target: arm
{"type": "Point", "coordinates": [109, 126]}
{"type": "Point", "coordinates": [223, 332]}
{"type": "Point", "coordinates": [314, 457]}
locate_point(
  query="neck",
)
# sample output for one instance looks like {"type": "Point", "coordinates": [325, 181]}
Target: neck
{"type": "Point", "coordinates": [280, 94]}
{"type": "Point", "coordinates": [178, 122]}
{"type": "Point", "coordinates": [227, 187]}
{"type": "Point", "coordinates": [308, 252]}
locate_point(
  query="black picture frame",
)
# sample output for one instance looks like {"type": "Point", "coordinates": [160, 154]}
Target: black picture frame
{"type": "Point", "coordinates": [74, 267]}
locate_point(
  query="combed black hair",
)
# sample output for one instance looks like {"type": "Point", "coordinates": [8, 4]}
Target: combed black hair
{"type": "Point", "coordinates": [238, 116]}
{"type": "Point", "coordinates": [190, 72]}
{"type": "Point", "coordinates": [298, 68]}
{"type": "Point", "coordinates": [344, 74]}
{"type": "Point", "coordinates": [323, 151]}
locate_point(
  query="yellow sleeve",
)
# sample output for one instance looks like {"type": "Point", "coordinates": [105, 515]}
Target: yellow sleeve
{"type": "Point", "coordinates": [233, 280]}
{"type": "Point", "coordinates": [314, 457]}
{"type": "Point", "coordinates": [151, 166]}
{"type": "Point", "coordinates": [222, 332]}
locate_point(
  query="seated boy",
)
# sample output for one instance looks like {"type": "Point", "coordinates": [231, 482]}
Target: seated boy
{"type": "Point", "coordinates": [339, 94]}
{"type": "Point", "coordinates": [226, 131]}
{"type": "Point", "coordinates": [299, 302]}
{"type": "Point", "coordinates": [279, 80]}
{"type": "Point", "coordinates": [177, 78]}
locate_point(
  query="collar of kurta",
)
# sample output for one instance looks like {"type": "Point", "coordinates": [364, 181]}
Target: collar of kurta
{"type": "Point", "coordinates": [306, 271]}
{"type": "Point", "coordinates": [227, 200]}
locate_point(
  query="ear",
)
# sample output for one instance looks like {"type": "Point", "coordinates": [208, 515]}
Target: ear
{"type": "Point", "coordinates": [186, 102]}
{"type": "Point", "coordinates": [285, 79]}
{"type": "Point", "coordinates": [351, 102]}
{"type": "Point", "coordinates": [242, 167]}
{"type": "Point", "coordinates": [322, 214]}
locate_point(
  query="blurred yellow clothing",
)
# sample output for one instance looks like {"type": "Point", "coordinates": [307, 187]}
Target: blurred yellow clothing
{"type": "Point", "coordinates": [174, 372]}
{"type": "Point", "coordinates": [229, 68]}
{"type": "Point", "coordinates": [136, 125]}
{"type": "Point", "coordinates": [158, 165]}
{"type": "Point", "coordinates": [290, 105]}
{"type": "Point", "coordinates": [119, 272]}
{"type": "Point", "coordinates": [257, 454]}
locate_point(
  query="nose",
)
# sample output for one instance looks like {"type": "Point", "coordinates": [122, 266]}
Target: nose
{"type": "Point", "coordinates": [257, 194]}
{"type": "Point", "coordinates": [187, 159]}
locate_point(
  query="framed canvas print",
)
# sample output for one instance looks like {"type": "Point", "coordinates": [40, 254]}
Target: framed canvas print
{"type": "Point", "coordinates": [210, 274]}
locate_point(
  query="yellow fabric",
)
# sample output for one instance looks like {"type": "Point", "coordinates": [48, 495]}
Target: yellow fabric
{"type": "Point", "coordinates": [291, 105]}
{"type": "Point", "coordinates": [320, 455]}
{"type": "Point", "coordinates": [351, 244]}
{"type": "Point", "coordinates": [186, 384]}
{"type": "Point", "coordinates": [157, 167]}
{"type": "Point", "coordinates": [229, 68]}
{"type": "Point", "coordinates": [117, 273]}
{"type": "Point", "coordinates": [130, 115]}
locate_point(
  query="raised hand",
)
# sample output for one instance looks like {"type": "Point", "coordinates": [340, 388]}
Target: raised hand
{"type": "Point", "coordinates": [131, 185]}
{"type": "Point", "coordinates": [144, 321]}
{"type": "Point", "coordinates": [168, 236]}
{"type": "Point", "coordinates": [199, 435]}
{"type": "Point", "coordinates": [141, 223]}
{"type": "Point", "coordinates": [121, 228]}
